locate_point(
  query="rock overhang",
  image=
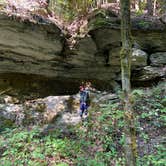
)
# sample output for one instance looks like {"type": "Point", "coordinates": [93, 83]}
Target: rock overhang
{"type": "Point", "coordinates": [38, 49]}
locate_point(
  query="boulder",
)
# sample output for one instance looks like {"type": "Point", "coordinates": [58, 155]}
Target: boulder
{"type": "Point", "coordinates": [158, 59]}
{"type": "Point", "coordinates": [10, 115]}
{"type": "Point", "coordinates": [58, 109]}
{"type": "Point", "coordinates": [163, 18]}
{"type": "Point", "coordinates": [139, 58]}
{"type": "Point", "coordinates": [149, 73]}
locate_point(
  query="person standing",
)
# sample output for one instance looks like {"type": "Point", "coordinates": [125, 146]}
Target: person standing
{"type": "Point", "coordinates": [84, 98]}
{"type": "Point", "coordinates": [87, 96]}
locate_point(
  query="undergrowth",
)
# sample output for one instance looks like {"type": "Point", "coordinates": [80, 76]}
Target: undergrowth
{"type": "Point", "coordinates": [98, 141]}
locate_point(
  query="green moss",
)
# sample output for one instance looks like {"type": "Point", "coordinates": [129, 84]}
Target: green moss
{"type": "Point", "coordinates": [6, 123]}
{"type": "Point", "coordinates": [144, 24]}
{"type": "Point", "coordinates": [103, 18]}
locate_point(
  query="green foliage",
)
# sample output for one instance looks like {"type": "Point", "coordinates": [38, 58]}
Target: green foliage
{"type": "Point", "coordinates": [30, 148]}
{"type": "Point", "coordinates": [151, 119]}
{"type": "Point", "coordinates": [163, 101]}
{"type": "Point", "coordinates": [98, 141]}
{"type": "Point", "coordinates": [62, 164]}
{"type": "Point", "coordinates": [156, 159]}
{"type": "Point", "coordinates": [139, 12]}
{"type": "Point", "coordinates": [68, 10]}
{"type": "Point", "coordinates": [104, 137]}
{"type": "Point", "coordinates": [138, 92]}
{"type": "Point", "coordinates": [89, 162]}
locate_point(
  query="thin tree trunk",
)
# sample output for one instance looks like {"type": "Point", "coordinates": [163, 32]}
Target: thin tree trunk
{"type": "Point", "coordinates": [129, 128]}
{"type": "Point", "coordinates": [154, 7]}
{"type": "Point", "coordinates": [149, 7]}
{"type": "Point", "coordinates": [137, 5]}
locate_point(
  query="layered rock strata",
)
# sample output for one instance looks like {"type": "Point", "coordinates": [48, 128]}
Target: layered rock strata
{"type": "Point", "coordinates": [39, 50]}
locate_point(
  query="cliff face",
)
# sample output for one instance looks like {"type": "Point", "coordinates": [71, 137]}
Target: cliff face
{"type": "Point", "coordinates": [34, 52]}
{"type": "Point", "coordinates": [149, 44]}
{"type": "Point", "coordinates": [25, 47]}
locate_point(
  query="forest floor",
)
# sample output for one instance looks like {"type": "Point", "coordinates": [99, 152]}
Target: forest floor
{"type": "Point", "coordinates": [97, 140]}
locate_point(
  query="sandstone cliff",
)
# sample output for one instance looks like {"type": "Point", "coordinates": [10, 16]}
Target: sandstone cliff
{"type": "Point", "coordinates": [38, 52]}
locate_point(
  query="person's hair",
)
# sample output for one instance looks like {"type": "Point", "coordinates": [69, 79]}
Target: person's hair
{"type": "Point", "coordinates": [88, 84]}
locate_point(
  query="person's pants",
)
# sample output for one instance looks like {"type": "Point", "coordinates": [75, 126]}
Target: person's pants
{"type": "Point", "coordinates": [83, 108]}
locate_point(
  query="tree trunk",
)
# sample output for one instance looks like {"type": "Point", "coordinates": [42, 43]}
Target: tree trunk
{"type": "Point", "coordinates": [137, 5]}
{"type": "Point", "coordinates": [154, 7]}
{"type": "Point", "coordinates": [149, 7]}
{"type": "Point", "coordinates": [129, 128]}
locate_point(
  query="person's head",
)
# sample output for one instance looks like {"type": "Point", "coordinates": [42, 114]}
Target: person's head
{"type": "Point", "coordinates": [88, 84]}
{"type": "Point", "coordinates": [81, 88]}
